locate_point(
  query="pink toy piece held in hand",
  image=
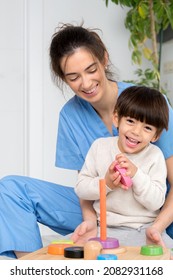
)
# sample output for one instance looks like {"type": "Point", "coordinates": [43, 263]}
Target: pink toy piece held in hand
{"type": "Point", "coordinates": [125, 180]}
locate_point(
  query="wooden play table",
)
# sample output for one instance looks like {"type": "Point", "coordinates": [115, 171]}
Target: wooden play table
{"type": "Point", "coordinates": [131, 253]}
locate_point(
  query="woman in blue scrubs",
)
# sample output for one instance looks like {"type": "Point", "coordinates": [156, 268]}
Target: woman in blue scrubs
{"type": "Point", "coordinates": [80, 59]}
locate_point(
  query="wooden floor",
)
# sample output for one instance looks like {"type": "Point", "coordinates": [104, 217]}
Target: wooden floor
{"type": "Point", "coordinates": [130, 253]}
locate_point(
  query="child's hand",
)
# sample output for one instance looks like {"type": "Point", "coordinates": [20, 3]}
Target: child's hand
{"type": "Point", "coordinates": [124, 162]}
{"type": "Point", "coordinates": [113, 178]}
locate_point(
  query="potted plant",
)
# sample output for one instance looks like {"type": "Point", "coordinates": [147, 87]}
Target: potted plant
{"type": "Point", "coordinates": [146, 20]}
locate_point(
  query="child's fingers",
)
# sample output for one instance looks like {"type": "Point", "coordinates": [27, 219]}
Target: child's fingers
{"type": "Point", "coordinates": [111, 167]}
{"type": "Point", "coordinates": [124, 187]}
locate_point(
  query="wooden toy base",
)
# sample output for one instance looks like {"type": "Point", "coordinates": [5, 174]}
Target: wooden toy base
{"type": "Point", "coordinates": [128, 253]}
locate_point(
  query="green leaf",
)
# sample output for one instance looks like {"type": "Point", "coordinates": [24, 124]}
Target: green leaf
{"type": "Point", "coordinates": [137, 57]}
{"type": "Point", "coordinates": [147, 53]}
{"type": "Point", "coordinates": [143, 10]}
{"type": "Point", "coordinates": [138, 22]}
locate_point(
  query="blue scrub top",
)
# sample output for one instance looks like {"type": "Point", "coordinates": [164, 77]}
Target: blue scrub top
{"type": "Point", "coordinates": [79, 125]}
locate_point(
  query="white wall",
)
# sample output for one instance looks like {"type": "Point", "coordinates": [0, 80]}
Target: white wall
{"type": "Point", "coordinates": [167, 69]}
{"type": "Point", "coordinates": [30, 102]}
{"type": "Point", "coordinates": [12, 90]}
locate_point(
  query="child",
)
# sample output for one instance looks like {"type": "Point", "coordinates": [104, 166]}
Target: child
{"type": "Point", "coordinates": [140, 116]}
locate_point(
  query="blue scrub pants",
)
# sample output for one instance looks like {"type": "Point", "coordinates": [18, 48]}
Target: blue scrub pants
{"type": "Point", "coordinates": [25, 201]}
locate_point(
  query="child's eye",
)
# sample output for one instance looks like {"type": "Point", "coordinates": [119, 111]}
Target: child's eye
{"type": "Point", "coordinates": [148, 127]}
{"type": "Point", "coordinates": [129, 120]}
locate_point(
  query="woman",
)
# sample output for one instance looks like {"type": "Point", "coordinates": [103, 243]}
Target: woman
{"type": "Point", "coordinates": [80, 59]}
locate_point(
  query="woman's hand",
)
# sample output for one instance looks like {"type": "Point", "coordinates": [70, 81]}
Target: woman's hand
{"type": "Point", "coordinates": [84, 232]}
{"type": "Point", "coordinates": [153, 236]}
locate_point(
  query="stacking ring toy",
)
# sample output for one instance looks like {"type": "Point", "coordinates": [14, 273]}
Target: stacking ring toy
{"type": "Point", "coordinates": [151, 250]}
{"type": "Point", "coordinates": [125, 180]}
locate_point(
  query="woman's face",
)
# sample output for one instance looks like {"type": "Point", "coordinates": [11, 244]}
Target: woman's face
{"type": "Point", "coordinates": [85, 75]}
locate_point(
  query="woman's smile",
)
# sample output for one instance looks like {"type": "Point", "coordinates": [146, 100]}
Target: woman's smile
{"type": "Point", "coordinates": [91, 92]}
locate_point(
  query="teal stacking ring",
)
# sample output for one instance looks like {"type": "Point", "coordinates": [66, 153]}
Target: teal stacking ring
{"type": "Point", "coordinates": [107, 257]}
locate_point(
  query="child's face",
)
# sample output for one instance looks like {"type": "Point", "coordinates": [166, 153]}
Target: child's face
{"type": "Point", "coordinates": [134, 135]}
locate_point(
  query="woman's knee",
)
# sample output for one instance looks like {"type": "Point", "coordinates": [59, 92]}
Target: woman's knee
{"type": "Point", "coordinates": [10, 178]}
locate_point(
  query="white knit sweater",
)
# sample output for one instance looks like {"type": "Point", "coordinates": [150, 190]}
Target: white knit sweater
{"type": "Point", "coordinates": [134, 207]}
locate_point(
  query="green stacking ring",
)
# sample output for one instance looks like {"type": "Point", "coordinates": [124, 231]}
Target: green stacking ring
{"type": "Point", "coordinates": [151, 250]}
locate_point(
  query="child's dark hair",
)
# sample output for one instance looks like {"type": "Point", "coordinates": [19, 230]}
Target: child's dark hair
{"type": "Point", "coordinates": [144, 104]}
{"type": "Point", "coordinates": [67, 40]}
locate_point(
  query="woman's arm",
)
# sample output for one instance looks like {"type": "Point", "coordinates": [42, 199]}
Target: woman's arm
{"type": "Point", "coordinates": [88, 228]}
{"type": "Point", "coordinates": [165, 217]}
{"type": "Point", "coordinates": [88, 211]}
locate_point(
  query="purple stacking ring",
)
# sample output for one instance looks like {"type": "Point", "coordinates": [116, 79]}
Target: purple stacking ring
{"type": "Point", "coordinates": [109, 243]}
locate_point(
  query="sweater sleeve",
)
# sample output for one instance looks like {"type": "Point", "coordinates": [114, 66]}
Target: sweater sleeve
{"type": "Point", "coordinates": [87, 186]}
{"type": "Point", "coordinates": [150, 188]}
